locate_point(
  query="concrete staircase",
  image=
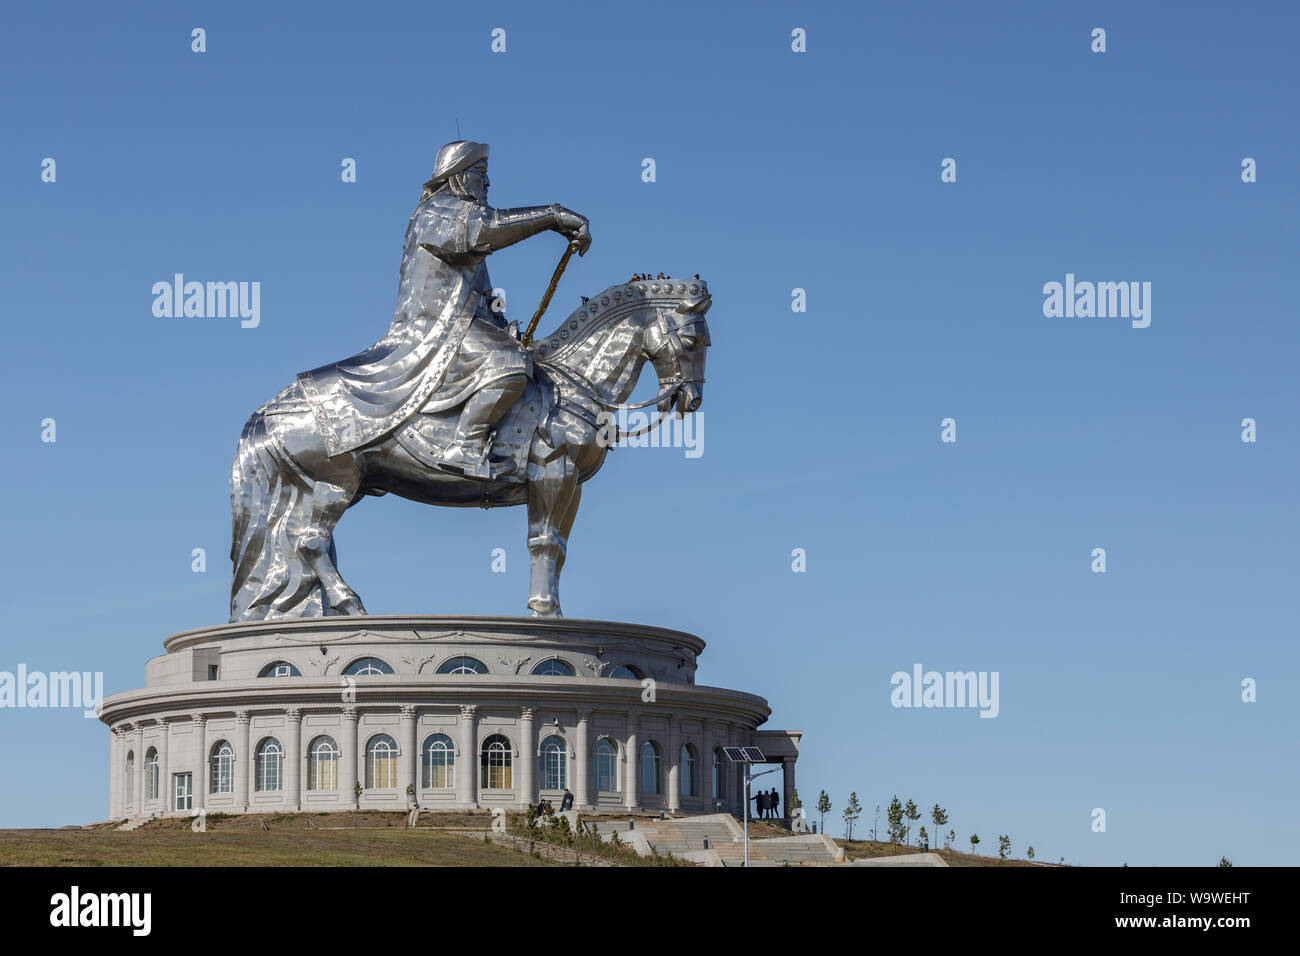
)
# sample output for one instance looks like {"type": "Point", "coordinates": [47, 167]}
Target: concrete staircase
{"type": "Point", "coordinates": [685, 837]}
{"type": "Point", "coordinates": [135, 823]}
{"type": "Point", "coordinates": [809, 849]}
{"type": "Point", "coordinates": [906, 859]}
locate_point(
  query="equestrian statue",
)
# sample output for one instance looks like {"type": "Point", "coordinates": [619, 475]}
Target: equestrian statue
{"type": "Point", "coordinates": [453, 406]}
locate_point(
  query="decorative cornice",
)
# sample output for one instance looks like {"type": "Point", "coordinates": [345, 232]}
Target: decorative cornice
{"type": "Point", "coordinates": [488, 629]}
{"type": "Point", "coordinates": [320, 696]}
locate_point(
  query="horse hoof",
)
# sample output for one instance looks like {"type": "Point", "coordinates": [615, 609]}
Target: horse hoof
{"type": "Point", "coordinates": [545, 609]}
{"type": "Point", "coordinates": [350, 607]}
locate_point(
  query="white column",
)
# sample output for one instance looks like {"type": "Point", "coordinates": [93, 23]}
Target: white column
{"type": "Point", "coordinates": [467, 758]}
{"type": "Point", "coordinates": [787, 785]}
{"type": "Point", "coordinates": [582, 799]}
{"type": "Point", "coordinates": [116, 758]}
{"type": "Point", "coordinates": [243, 760]}
{"type": "Point", "coordinates": [349, 762]}
{"type": "Point", "coordinates": [410, 755]}
{"type": "Point", "coordinates": [632, 755]}
{"type": "Point", "coordinates": [137, 770]}
{"type": "Point", "coordinates": [199, 782]}
{"type": "Point", "coordinates": [528, 786]}
{"type": "Point", "coordinates": [738, 771]}
{"type": "Point", "coordinates": [704, 768]}
{"type": "Point", "coordinates": [164, 765]}
{"type": "Point", "coordinates": [674, 756]}
{"type": "Point", "coordinates": [293, 759]}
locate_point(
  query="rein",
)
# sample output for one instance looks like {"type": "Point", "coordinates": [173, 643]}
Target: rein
{"type": "Point", "coordinates": [582, 385]}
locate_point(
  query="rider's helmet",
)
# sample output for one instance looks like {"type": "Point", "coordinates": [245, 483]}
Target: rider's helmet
{"type": "Point", "coordinates": [455, 158]}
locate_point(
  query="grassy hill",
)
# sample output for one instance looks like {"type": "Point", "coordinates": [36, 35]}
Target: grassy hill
{"type": "Point", "coordinates": [376, 839]}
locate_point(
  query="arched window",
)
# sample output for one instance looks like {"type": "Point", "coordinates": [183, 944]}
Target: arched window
{"type": "Point", "coordinates": [367, 665]}
{"type": "Point", "coordinates": [687, 775]}
{"type": "Point", "coordinates": [649, 768]}
{"type": "Point", "coordinates": [381, 763]}
{"type": "Point", "coordinates": [323, 764]}
{"type": "Point", "coordinates": [554, 667]}
{"type": "Point", "coordinates": [626, 672]}
{"type": "Point", "coordinates": [496, 764]}
{"type": "Point", "coordinates": [221, 775]}
{"type": "Point", "coordinates": [555, 764]}
{"type": "Point", "coordinates": [717, 773]}
{"type": "Point", "coordinates": [439, 763]}
{"type": "Point", "coordinates": [606, 766]}
{"type": "Point", "coordinates": [151, 774]}
{"type": "Point", "coordinates": [279, 669]}
{"type": "Point", "coordinates": [270, 765]}
{"type": "Point", "coordinates": [461, 665]}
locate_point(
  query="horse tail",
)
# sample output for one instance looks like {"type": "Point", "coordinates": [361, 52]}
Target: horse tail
{"type": "Point", "coordinates": [267, 495]}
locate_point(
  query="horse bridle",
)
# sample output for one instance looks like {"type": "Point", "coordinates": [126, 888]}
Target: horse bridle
{"type": "Point", "coordinates": [669, 387]}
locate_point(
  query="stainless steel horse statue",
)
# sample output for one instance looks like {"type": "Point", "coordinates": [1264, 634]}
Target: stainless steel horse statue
{"type": "Point", "coordinates": [451, 408]}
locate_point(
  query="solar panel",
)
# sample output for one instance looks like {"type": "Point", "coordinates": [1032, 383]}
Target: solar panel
{"type": "Point", "coordinates": [754, 755]}
{"type": "Point", "coordinates": [734, 754]}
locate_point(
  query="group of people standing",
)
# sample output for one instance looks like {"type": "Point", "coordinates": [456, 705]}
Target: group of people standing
{"type": "Point", "coordinates": [768, 804]}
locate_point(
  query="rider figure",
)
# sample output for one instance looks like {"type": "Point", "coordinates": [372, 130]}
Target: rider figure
{"type": "Point", "coordinates": [446, 346]}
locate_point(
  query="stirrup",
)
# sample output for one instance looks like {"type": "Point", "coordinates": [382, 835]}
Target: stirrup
{"type": "Point", "coordinates": [479, 469]}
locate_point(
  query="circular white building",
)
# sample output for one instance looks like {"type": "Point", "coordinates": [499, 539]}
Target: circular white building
{"type": "Point", "coordinates": [443, 712]}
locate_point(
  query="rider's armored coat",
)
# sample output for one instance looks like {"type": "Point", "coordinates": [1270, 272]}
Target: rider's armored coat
{"type": "Point", "coordinates": [444, 343]}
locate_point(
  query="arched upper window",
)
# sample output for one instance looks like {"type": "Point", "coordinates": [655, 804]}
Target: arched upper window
{"type": "Point", "coordinates": [367, 665]}
{"type": "Point", "coordinates": [688, 777]}
{"type": "Point", "coordinates": [279, 669]}
{"type": "Point", "coordinates": [323, 764]}
{"type": "Point", "coordinates": [439, 763]}
{"type": "Point", "coordinates": [626, 672]}
{"type": "Point", "coordinates": [718, 760]}
{"type": "Point", "coordinates": [269, 770]}
{"type": "Point", "coordinates": [221, 776]}
{"type": "Point", "coordinates": [495, 764]}
{"type": "Point", "coordinates": [151, 774]}
{"type": "Point", "coordinates": [462, 665]}
{"type": "Point", "coordinates": [606, 766]}
{"type": "Point", "coordinates": [649, 782]}
{"type": "Point", "coordinates": [555, 764]}
{"type": "Point", "coordinates": [553, 667]}
{"type": "Point", "coordinates": [381, 763]}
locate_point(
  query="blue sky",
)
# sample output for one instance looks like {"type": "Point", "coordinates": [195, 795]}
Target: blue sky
{"type": "Point", "coordinates": [775, 171]}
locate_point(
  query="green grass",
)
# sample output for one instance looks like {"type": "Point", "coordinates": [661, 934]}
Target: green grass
{"type": "Point", "coordinates": [156, 846]}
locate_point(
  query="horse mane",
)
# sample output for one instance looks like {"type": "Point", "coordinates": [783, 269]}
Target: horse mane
{"type": "Point", "coordinates": [602, 308]}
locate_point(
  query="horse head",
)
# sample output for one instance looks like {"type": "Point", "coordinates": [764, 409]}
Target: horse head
{"type": "Point", "coordinates": [615, 332]}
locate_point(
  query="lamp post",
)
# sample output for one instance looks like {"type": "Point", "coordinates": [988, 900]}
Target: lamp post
{"type": "Point", "coordinates": [748, 778]}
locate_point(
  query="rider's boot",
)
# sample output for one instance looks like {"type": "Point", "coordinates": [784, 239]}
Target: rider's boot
{"type": "Point", "coordinates": [468, 454]}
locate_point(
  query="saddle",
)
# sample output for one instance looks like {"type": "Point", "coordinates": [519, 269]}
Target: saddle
{"type": "Point", "coordinates": [427, 437]}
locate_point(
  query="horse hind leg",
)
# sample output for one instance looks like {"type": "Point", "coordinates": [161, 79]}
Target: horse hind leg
{"type": "Point", "coordinates": [315, 544]}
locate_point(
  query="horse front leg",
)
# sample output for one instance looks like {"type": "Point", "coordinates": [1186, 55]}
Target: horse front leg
{"type": "Point", "coordinates": [553, 491]}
